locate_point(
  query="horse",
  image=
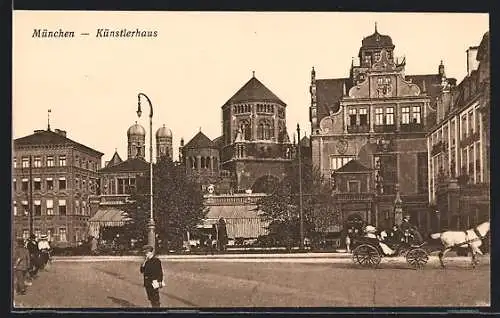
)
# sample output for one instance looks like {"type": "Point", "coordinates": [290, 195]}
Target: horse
{"type": "Point", "coordinates": [471, 238]}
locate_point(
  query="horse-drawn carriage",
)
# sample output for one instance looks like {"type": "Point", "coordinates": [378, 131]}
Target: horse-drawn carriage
{"type": "Point", "coordinates": [369, 249]}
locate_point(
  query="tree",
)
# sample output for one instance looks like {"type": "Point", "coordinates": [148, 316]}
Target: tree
{"type": "Point", "coordinates": [281, 208]}
{"type": "Point", "coordinates": [178, 204]}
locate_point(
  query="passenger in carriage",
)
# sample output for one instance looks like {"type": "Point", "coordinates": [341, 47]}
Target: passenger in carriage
{"type": "Point", "coordinates": [371, 233]}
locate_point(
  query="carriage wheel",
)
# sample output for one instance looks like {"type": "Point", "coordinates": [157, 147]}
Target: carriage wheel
{"type": "Point", "coordinates": [402, 251]}
{"type": "Point", "coordinates": [417, 257]}
{"type": "Point", "coordinates": [366, 255]}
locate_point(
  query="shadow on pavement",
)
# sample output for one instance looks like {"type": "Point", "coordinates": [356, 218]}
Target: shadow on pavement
{"type": "Point", "coordinates": [122, 302]}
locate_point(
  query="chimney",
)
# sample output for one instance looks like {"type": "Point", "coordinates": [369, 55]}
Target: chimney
{"type": "Point", "coordinates": [472, 63]}
{"type": "Point", "coordinates": [60, 132]}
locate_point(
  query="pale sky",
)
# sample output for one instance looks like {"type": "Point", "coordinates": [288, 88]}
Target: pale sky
{"type": "Point", "coordinates": [199, 60]}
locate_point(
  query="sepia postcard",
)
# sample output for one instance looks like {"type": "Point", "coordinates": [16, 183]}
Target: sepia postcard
{"type": "Point", "coordinates": [204, 160]}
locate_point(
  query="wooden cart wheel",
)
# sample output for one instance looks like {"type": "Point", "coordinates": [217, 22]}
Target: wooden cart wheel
{"type": "Point", "coordinates": [417, 257]}
{"type": "Point", "coordinates": [366, 255]}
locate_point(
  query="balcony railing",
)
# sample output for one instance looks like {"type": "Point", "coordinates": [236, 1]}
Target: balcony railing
{"type": "Point", "coordinates": [235, 199]}
{"type": "Point", "coordinates": [358, 129]}
{"type": "Point", "coordinates": [354, 196]}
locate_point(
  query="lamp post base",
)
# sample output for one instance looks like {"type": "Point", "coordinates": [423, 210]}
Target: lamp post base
{"type": "Point", "coordinates": [151, 234]}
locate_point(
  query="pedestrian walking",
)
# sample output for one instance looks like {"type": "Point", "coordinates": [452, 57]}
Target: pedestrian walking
{"type": "Point", "coordinates": [93, 246]}
{"type": "Point", "coordinates": [44, 251]}
{"type": "Point", "coordinates": [21, 264]}
{"type": "Point", "coordinates": [153, 276]}
{"type": "Point", "coordinates": [32, 246]}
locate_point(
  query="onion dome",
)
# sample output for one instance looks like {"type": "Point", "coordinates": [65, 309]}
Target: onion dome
{"type": "Point", "coordinates": [136, 130]}
{"type": "Point", "coordinates": [163, 132]}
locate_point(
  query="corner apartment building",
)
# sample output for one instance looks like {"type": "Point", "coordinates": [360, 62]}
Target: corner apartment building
{"type": "Point", "coordinates": [53, 178]}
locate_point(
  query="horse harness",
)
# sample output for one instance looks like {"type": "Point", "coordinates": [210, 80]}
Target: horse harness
{"type": "Point", "coordinates": [479, 237]}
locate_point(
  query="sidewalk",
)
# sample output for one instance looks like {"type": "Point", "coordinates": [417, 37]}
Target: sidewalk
{"type": "Point", "coordinates": [228, 257]}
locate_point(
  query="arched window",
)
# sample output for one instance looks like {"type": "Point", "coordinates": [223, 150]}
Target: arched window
{"type": "Point", "coordinates": [245, 129]}
{"type": "Point", "coordinates": [203, 162]}
{"type": "Point", "coordinates": [207, 161]}
{"type": "Point", "coordinates": [215, 163]}
{"type": "Point", "coordinates": [193, 162]}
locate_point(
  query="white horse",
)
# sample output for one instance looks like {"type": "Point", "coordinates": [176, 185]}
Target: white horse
{"type": "Point", "coordinates": [471, 238]}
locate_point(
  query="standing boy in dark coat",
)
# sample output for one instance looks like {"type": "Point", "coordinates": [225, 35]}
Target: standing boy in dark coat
{"type": "Point", "coordinates": [21, 264]}
{"type": "Point", "coordinates": [153, 276]}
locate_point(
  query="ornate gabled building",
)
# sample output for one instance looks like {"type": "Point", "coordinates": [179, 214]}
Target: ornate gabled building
{"type": "Point", "coordinates": [54, 179]}
{"type": "Point", "coordinates": [459, 147]}
{"type": "Point", "coordinates": [378, 116]}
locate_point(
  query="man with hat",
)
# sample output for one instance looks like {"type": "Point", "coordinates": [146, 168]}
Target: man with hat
{"type": "Point", "coordinates": [153, 275]}
{"type": "Point", "coordinates": [21, 264]}
{"type": "Point", "coordinates": [409, 230]}
{"type": "Point", "coordinates": [32, 247]}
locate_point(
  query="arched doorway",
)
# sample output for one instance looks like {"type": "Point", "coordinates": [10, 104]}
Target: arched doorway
{"type": "Point", "coordinates": [265, 184]}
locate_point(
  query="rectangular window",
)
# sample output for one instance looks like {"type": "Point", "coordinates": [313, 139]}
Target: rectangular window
{"type": "Point", "coordinates": [14, 207]}
{"type": "Point", "coordinates": [363, 117]}
{"type": "Point", "coordinates": [353, 186]}
{"type": "Point", "coordinates": [62, 234]}
{"type": "Point", "coordinates": [337, 162]}
{"type": "Point", "coordinates": [352, 117]}
{"type": "Point", "coordinates": [26, 162]}
{"type": "Point", "coordinates": [14, 185]}
{"type": "Point", "coordinates": [84, 208]}
{"type": "Point", "coordinates": [14, 163]}
{"type": "Point", "coordinates": [471, 122]}
{"type": "Point", "coordinates": [422, 175]}
{"type": "Point", "coordinates": [37, 184]}
{"type": "Point", "coordinates": [24, 185]}
{"type": "Point", "coordinates": [464, 161]}
{"type": "Point", "coordinates": [50, 184]}
{"type": "Point", "coordinates": [62, 183]}
{"type": "Point", "coordinates": [25, 207]}
{"type": "Point", "coordinates": [77, 207]}
{"type": "Point", "coordinates": [405, 115]}
{"type": "Point", "coordinates": [389, 116]}
{"type": "Point", "coordinates": [50, 161]}
{"type": "Point", "coordinates": [37, 162]}
{"type": "Point", "coordinates": [477, 119]}
{"type": "Point", "coordinates": [478, 163]}
{"type": "Point", "coordinates": [62, 161]}
{"type": "Point", "coordinates": [379, 116]}
{"type": "Point", "coordinates": [416, 115]}
{"type": "Point", "coordinates": [470, 171]}
{"type": "Point", "coordinates": [463, 128]}
{"type": "Point", "coordinates": [452, 132]}
{"type": "Point", "coordinates": [62, 207]}
{"type": "Point", "coordinates": [38, 208]}
{"type": "Point", "coordinates": [50, 206]}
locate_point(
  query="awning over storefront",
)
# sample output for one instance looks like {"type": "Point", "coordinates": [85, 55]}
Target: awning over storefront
{"type": "Point", "coordinates": [109, 217]}
{"type": "Point", "coordinates": [241, 220]}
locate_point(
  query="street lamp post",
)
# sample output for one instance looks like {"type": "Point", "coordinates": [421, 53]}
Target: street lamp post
{"type": "Point", "coordinates": [300, 192]}
{"type": "Point", "coordinates": [151, 225]}
{"type": "Point", "coordinates": [398, 207]}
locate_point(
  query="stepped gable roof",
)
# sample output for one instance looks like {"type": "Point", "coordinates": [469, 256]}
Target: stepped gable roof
{"type": "Point", "coordinates": [328, 94]}
{"type": "Point", "coordinates": [432, 86]}
{"type": "Point", "coordinates": [114, 160]}
{"type": "Point", "coordinates": [254, 91]}
{"type": "Point", "coordinates": [48, 137]}
{"type": "Point", "coordinates": [200, 140]}
{"type": "Point", "coordinates": [353, 166]}
{"type": "Point", "coordinates": [132, 164]}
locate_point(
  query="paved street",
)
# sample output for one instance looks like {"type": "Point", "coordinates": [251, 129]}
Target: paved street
{"type": "Point", "coordinates": [276, 282]}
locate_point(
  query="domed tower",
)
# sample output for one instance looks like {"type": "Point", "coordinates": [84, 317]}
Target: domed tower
{"type": "Point", "coordinates": [369, 53]}
{"type": "Point", "coordinates": [136, 141]}
{"type": "Point", "coordinates": [164, 143]}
